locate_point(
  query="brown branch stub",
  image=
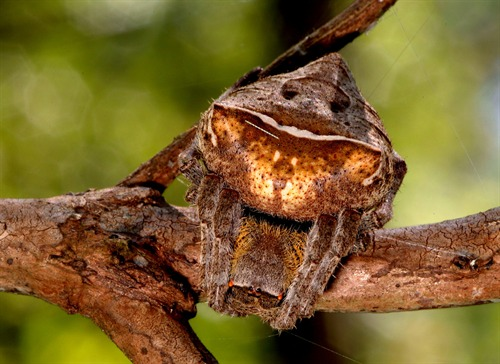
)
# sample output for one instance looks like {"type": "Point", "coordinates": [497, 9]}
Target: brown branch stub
{"type": "Point", "coordinates": [331, 37]}
{"type": "Point", "coordinates": [163, 168]}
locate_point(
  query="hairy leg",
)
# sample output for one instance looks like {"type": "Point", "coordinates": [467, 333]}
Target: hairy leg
{"type": "Point", "coordinates": [226, 225]}
{"type": "Point", "coordinates": [384, 212]}
{"type": "Point", "coordinates": [207, 201]}
{"type": "Point", "coordinates": [329, 240]}
{"type": "Point", "coordinates": [220, 211]}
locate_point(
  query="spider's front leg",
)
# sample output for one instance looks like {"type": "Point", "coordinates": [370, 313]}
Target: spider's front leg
{"type": "Point", "coordinates": [219, 210]}
{"type": "Point", "coordinates": [329, 240]}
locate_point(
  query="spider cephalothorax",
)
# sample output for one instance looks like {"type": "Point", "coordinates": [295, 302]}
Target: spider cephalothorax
{"type": "Point", "coordinates": [292, 168]}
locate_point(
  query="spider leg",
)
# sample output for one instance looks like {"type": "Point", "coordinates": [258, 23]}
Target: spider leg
{"type": "Point", "coordinates": [226, 224]}
{"type": "Point", "coordinates": [220, 211]}
{"type": "Point", "coordinates": [329, 240]}
{"type": "Point", "coordinates": [384, 212]}
{"type": "Point", "coordinates": [208, 198]}
{"type": "Point", "coordinates": [192, 169]}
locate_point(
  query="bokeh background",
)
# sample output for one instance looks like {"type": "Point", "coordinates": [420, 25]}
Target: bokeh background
{"type": "Point", "coordinates": [89, 89]}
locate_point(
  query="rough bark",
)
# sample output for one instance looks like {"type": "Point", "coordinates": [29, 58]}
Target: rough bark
{"type": "Point", "coordinates": [451, 263]}
{"type": "Point", "coordinates": [129, 261]}
{"type": "Point", "coordinates": [96, 254]}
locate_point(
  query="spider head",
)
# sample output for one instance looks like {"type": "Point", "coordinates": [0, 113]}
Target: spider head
{"type": "Point", "coordinates": [273, 246]}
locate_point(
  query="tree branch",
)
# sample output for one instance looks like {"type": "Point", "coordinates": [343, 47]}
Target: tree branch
{"type": "Point", "coordinates": [452, 263]}
{"type": "Point", "coordinates": [127, 260]}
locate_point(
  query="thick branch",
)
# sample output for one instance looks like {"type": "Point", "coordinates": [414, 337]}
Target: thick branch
{"type": "Point", "coordinates": [124, 258]}
{"type": "Point", "coordinates": [102, 254]}
{"type": "Point", "coordinates": [452, 263]}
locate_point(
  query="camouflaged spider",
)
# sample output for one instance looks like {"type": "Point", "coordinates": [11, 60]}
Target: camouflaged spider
{"type": "Point", "coordinates": [286, 172]}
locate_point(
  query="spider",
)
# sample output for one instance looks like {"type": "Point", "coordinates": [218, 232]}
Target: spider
{"type": "Point", "coordinates": [286, 172]}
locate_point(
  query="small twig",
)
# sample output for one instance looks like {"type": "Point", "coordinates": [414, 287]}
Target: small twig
{"type": "Point", "coordinates": [163, 168]}
{"type": "Point", "coordinates": [331, 37]}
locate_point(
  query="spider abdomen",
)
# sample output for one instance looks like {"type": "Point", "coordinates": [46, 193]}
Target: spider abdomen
{"type": "Point", "coordinates": [288, 172]}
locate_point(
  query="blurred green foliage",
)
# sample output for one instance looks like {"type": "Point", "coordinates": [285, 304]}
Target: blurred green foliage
{"type": "Point", "coordinates": [90, 89]}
